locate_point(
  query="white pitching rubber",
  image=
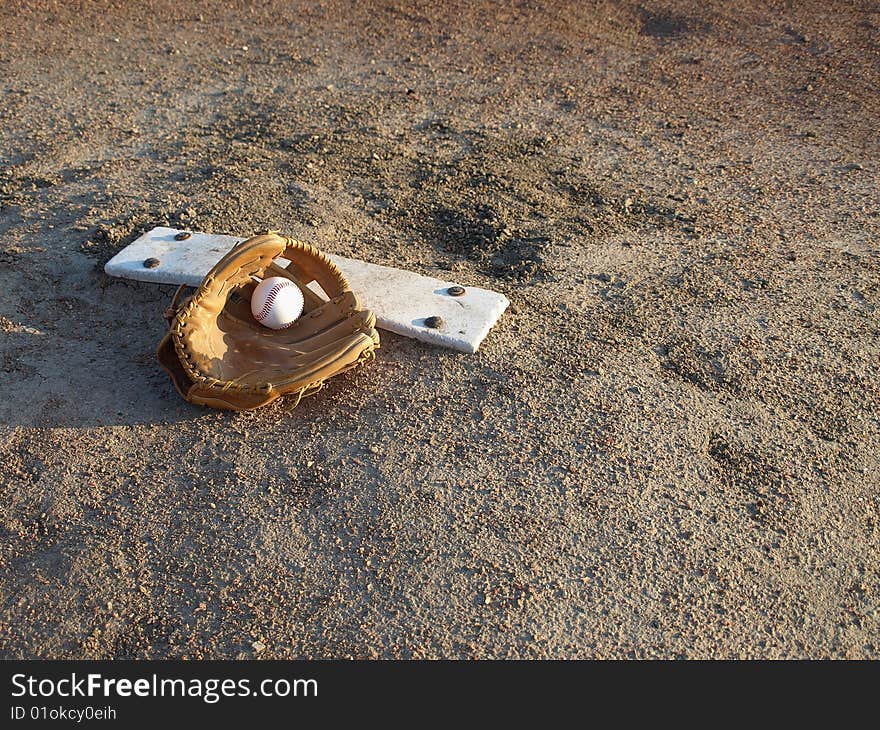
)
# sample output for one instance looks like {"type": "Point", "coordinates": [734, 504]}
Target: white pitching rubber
{"type": "Point", "coordinates": [402, 301]}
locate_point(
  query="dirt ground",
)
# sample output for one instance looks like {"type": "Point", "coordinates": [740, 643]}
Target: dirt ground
{"type": "Point", "coordinates": [668, 447]}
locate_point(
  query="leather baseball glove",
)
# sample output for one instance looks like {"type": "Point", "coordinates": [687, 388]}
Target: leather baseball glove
{"type": "Point", "coordinates": [218, 355]}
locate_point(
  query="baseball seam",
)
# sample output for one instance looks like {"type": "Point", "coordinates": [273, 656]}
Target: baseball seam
{"type": "Point", "coordinates": [270, 300]}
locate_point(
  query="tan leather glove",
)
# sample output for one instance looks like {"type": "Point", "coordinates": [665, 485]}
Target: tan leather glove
{"type": "Point", "coordinates": [218, 355]}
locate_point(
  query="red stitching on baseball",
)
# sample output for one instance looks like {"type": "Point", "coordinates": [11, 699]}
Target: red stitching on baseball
{"type": "Point", "coordinates": [270, 299]}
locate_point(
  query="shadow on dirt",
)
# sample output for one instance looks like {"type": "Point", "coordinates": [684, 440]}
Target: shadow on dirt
{"type": "Point", "coordinates": [70, 361]}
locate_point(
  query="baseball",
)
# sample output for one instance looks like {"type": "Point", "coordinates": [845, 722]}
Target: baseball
{"type": "Point", "coordinates": [276, 302]}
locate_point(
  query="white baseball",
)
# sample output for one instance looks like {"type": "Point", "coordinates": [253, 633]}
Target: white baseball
{"type": "Point", "coordinates": [276, 302]}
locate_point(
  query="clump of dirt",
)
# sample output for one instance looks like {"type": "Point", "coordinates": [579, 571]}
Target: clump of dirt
{"type": "Point", "coordinates": [484, 238]}
{"type": "Point", "coordinates": [765, 489]}
{"type": "Point", "coordinates": [709, 369]}
{"type": "Point", "coordinates": [668, 25]}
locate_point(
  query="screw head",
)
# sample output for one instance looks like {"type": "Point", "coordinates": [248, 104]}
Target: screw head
{"type": "Point", "coordinates": [182, 236]}
{"type": "Point", "coordinates": [455, 291]}
{"type": "Point", "coordinates": [435, 322]}
{"type": "Point", "coordinates": [151, 263]}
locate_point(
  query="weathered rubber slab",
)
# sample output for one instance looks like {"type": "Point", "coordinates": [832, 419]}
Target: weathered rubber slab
{"type": "Point", "coordinates": [401, 300]}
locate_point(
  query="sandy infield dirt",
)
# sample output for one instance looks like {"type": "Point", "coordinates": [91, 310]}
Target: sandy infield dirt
{"type": "Point", "coordinates": [668, 447]}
